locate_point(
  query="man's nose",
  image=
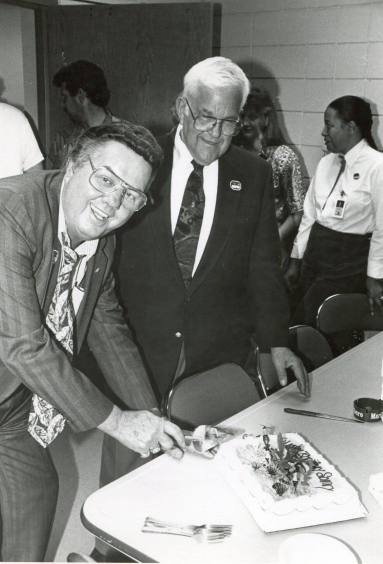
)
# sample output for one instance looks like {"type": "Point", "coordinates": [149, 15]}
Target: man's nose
{"type": "Point", "coordinates": [114, 199]}
{"type": "Point", "coordinates": [216, 130]}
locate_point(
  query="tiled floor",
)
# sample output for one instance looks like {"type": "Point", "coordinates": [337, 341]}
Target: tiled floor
{"type": "Point", "coordinates": [77, 459]}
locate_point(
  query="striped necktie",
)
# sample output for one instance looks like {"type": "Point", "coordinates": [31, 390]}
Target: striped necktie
{"type": "Point", "coordinates": [186, 233]}
{"type": "Point", "coordinates": [340, 172]}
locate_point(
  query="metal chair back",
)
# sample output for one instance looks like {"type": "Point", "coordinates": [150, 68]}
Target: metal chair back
{"type": "Point", "coordinates": [210, 397]}
{"type": "Point", "coordinates": [345, 319]}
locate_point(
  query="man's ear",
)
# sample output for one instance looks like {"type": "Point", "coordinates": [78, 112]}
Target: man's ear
{"type": "Point", "coordinates": [180, 108]}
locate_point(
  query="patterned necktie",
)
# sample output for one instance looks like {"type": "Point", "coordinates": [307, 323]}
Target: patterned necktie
{"type": "Point", "coordinates": [189, 222]}
{"type": "Point", "coordinates": [45, 422]}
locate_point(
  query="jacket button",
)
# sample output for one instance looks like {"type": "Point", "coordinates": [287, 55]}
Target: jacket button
{"type": "Point", "coordinates": [178, 334]}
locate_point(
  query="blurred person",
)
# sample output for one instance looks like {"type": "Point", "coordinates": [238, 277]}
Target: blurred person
{"type": "Point", "coordinates": [56, 291]}
{"type": "Point", "coordinates": [19, 150]}
{"type": "Point", "coordinates": [84, 98]}
{"type": "Point", "coordinates": [338, 248]}
{"type": "Point", "coordinates": [260, 132]}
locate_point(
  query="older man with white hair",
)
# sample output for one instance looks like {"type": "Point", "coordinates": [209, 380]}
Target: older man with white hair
{"type": "Point", "coordinates": [199, 272]}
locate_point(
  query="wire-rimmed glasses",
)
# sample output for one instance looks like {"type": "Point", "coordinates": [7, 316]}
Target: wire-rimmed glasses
{"type": "Point", "coordinates": [104, 180]}
{"type": "Point", "coordinates": [203, 122]}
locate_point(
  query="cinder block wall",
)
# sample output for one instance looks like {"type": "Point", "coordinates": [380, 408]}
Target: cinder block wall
{"type": "Point", "coordinates": [308, 52]}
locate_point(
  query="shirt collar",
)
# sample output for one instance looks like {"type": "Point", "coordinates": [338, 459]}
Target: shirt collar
{"type": "Point", "coordinates": [351, 155]}
{"type": "Point", "coordinates": [182, 153]}
{"type": "Point", "coordinates": [87, 248]}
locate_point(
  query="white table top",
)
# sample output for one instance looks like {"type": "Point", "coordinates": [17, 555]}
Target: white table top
{"type": "Point", "coordinates": [193, 491]}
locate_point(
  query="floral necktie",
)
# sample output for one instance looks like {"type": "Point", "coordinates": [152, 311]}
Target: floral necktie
{"type": "Point", "coordinates": [45, 421]}
{"type": "Point", "coordinates": [186, 233]}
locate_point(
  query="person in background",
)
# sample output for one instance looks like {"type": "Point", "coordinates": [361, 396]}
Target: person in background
{"type": "Point", "coordinates": [56, 291]}
{"type": "Point", "coordinates": [260, 132]}
{"type": "Point", "coordinates": [84, 98]}
{"type": "Point", "coordinates": [199, 272]}
{"type": "Point", "coordinates": [338, 248]}
{"type": "Point", "coordinates": [19, 150]}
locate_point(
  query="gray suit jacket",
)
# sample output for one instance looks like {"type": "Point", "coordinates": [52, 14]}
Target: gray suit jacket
{"type": "Point", "coordinates": [29, 354]}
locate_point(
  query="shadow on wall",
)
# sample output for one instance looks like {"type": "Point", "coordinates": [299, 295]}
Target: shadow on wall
{"type": "Point", "coordinates": [261, 76]}
{"type": "Point", "coordinates": [375, 125]}
{"type": "Point", "coordinates": [2, 89]}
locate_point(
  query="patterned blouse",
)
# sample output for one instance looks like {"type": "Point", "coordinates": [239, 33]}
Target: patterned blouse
{"type": "Point", "coordinates": [289, 188]}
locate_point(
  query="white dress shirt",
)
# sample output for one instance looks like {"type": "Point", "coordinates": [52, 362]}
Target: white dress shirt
{"type": "Point", "coordinates": [182, 167]}
{"type": "Point", "coordinates": [85, 251]}
{"type": "Point", "coordinates": [361, 188]}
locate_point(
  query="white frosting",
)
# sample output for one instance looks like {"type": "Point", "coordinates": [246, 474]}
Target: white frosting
{"type": "Point", "coordinates": [326, 487]}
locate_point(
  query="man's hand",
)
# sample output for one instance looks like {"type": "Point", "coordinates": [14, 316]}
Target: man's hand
{"type": "Point", "coordinates": [144, 432]}
{"type": "Point", "coordinates": [375, 294]}
{"type": "Point", "coordinates": [283, 358]}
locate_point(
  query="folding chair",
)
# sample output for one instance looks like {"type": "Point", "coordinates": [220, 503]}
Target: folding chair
{"type": "Point", "coordinates": [307, 343]}
{"type": "Point", "coordinates": [210, 397]}
{"type": "Point", "coordinates": [346, 321]}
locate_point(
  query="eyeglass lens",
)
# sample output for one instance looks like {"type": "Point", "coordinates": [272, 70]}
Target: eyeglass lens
{"type": "Point", "coordinates": [104, 181]}
{"type": "Point", "coordinates": [204, 123]}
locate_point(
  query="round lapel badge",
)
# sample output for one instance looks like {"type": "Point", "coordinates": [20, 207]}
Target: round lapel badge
{"type": "Point", "coordinates": [356, 176]}
{"type": "Point", "coordinates": [235, 185]}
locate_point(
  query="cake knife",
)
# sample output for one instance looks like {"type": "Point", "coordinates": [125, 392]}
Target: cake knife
{"type": "Point", "coordinates": [322, 415]}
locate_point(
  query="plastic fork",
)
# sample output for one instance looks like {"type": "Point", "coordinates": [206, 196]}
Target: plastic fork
{"type": "Point", "coordinates": [206, 532]}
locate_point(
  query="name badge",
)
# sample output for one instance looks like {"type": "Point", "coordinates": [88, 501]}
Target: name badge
{"type": "Point", "coordinates": [339, 208]}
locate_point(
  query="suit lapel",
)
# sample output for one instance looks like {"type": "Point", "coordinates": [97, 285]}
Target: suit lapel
{"type": "Point", "coordinates": [225, 213]}
{"type": "Point", "coordinates": [52, 190]}
{"type": "Point", "coordinates": [93, 279]}
{"type": "Point", "coordinates": [161, 223]}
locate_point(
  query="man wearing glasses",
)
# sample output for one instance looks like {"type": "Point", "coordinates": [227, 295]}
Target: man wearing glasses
{"type": "Point", "coordinates": [56, 290]}
{"type": "Point", "coordinates": [199, 271]}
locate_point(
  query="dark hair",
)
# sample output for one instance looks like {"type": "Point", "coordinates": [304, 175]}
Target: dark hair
{"type": "Point", "coordinates": [85, 75]}
{"type": "Point", "coordinates": [353, 108]}
{"type": "Point", "coordinates": [135, 137]}
{"type": "Point", "coordinates": [257, 102]}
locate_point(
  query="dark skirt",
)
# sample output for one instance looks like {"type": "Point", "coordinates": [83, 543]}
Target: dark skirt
{"type": "Point", "coordinates": [333, 263]}
{"type": "Point", "coordinates": [332, 254]}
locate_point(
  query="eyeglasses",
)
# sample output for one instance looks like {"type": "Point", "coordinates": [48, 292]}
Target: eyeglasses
{"type": "Point", "coordinates": [104, 180]}
{"type": "Point", "coordinates": [203, 122]}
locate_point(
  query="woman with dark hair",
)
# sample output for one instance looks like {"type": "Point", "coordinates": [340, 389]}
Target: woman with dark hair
{"type": "Point", "coordinates": [339, 245]}
{"type": "Point", "coordinates": [260, 132]}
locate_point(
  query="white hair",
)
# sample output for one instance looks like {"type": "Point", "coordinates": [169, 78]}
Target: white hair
{"type": "Point", "coordinates": [216, 72]}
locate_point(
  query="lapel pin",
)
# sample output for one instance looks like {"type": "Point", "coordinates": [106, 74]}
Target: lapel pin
{"type": "Point", "coordinates": [356, 176]}
{"type": "Point", "coordinates": [236, 185]}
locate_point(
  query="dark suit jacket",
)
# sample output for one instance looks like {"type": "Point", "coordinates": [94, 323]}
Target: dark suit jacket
{"type": "Point", "coordinates": [29, 354]}
{"type": "Point", "coordinates": [236, 290]}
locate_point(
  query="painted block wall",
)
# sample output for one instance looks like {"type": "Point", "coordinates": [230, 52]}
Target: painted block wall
{"type": "Point", "coordinates": [308, 52]}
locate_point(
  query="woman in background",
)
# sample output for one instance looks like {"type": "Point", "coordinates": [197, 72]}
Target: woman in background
{"type": "Point", "coordinates": [261, 133]}
{"type": "Point", "coordinates": [339, 245]}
